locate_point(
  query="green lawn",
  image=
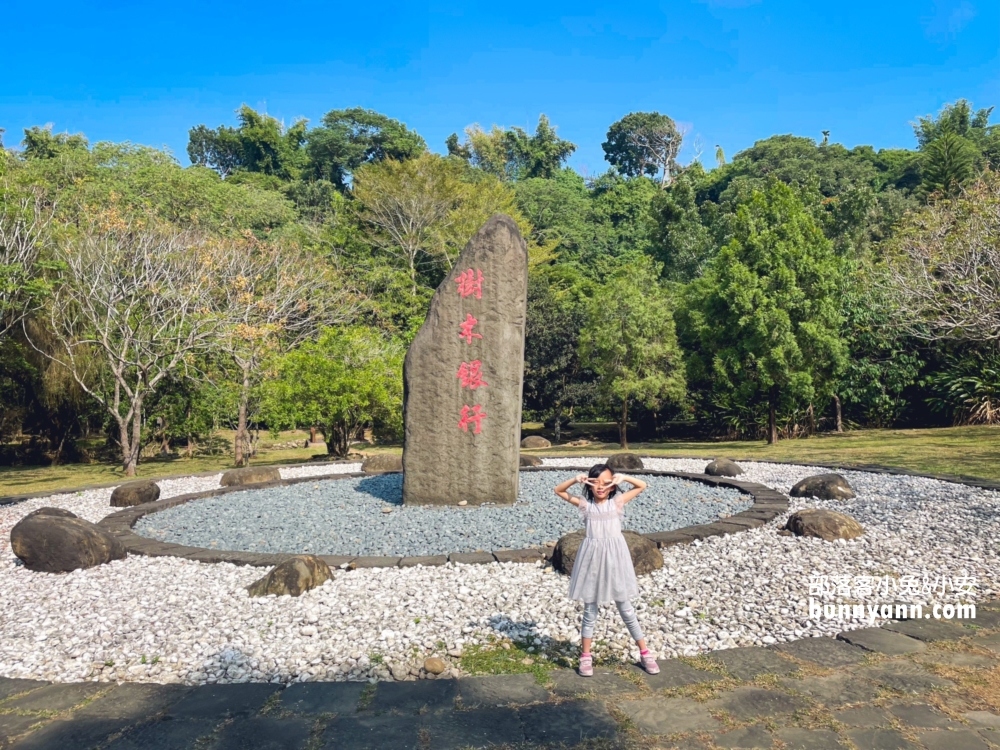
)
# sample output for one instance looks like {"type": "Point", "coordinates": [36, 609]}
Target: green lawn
{"type": "Point", "coordinates": [18, 480]}
{"type": "Point", "coordinates": [967, 451]}
{"type": "Point", "coordinates": [962, 451]}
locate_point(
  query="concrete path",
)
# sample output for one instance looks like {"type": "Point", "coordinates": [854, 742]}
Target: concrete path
{"type": "Point", "coordinates": [914, 684]}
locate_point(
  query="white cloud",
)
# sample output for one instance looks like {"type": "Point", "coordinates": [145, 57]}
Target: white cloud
{"type": "Point", "coordinates": [949, 18]}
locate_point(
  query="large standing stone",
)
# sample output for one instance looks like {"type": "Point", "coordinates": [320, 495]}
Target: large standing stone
{"type": "Point", "coordinates": [463, 377]}
{"type": "Point", "coordinates": [53, 540]}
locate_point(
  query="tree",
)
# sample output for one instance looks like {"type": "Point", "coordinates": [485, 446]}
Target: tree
{"type": "Point", "coordinates": [628, 340]}
{"type": "Point", "coordinates": [134, 303]}
{"type": "Point", "coordinates": [350, 377]}
{"type": "Point", "coordinates": [941, 271]}
{"type": "Point", "coordinates": [644, 143]}
{"type": "Point", "coordinates": [512, 154]}
{"type": "Point", "coordinates": [24, 222]}
{"type": "Point", "coordinates": [259, 144]}
{"type": "Point", "coordinates": [424, 210]}
{"type": "Point", "coordinates": [42, 143]}
{"type": "Point", "coordinates": [948, 163]}
{"type": "Point", "coordinates": [763, 322]}
{"type": "Point", "coordinates": [270, 299]}
{"type": "Point", "coordinates": [555, 381]}
{"type": "Point", "coordinates": [349, 138]}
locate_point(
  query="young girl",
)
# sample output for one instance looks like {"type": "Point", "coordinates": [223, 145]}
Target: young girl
{"type": "Point", "coordinates": [603, 569]}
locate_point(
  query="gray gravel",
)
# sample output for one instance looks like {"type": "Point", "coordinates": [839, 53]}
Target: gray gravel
{"type": "Point", "coordinates": [366, 517]}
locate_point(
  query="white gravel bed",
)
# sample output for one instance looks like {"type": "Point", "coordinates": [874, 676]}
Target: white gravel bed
{"type": "Point", "coordinates": [171, 620]}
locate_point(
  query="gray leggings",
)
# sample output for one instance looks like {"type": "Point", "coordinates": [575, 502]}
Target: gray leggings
{"type": "Point", "coordinates": [625, 609]}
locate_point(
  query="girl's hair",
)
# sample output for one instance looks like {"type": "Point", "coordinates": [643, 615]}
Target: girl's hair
{"type": "Point", "coordinates": [596, 471]}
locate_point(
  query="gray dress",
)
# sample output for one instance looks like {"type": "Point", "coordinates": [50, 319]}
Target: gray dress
{"type": "Point", "coordinates": [603, 569]}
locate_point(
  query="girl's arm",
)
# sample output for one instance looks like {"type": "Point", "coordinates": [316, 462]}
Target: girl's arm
{"type": "Point", "coordinates": [637, 486]}
{"type": "Point", "coordinates": [561, 489]}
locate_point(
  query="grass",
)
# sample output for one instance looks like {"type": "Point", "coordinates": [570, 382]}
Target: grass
{"type": "Point", "coordinates": [17, 480]}
{"type": "Point", "coordinates": [493, 658]}
{"type": "Point", "coordinates": [968, 451]}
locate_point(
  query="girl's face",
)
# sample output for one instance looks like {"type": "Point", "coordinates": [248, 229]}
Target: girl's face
{"type": "Point", "coordinates": [602, 485]}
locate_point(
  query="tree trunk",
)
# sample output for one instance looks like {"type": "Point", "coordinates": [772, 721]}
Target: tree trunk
{"type": "Point", "coordinates": [240, 442]}
{"type": "Point", "coordinates": [623, 426]}
{"type": "Point", "coordinates": [312, 434]}
{"type": "Point", "coordinates": [338, 438]}
{"type": "Point", "coordinates": [126, 447]}
{"type": "Point", "coordinates": [164, 440]}
{"type": "Point", "coordinates": [812, 419]}
{"type": "Point", "coordinates": [840, 416]}
{"type": "Point", "coordinates": [772, 416]}
{"type": "Point", "coordinates": [558, 429]}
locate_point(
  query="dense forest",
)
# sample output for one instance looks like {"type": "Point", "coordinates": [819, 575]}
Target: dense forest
{"type": "Point", "coordinates": [276, 282]}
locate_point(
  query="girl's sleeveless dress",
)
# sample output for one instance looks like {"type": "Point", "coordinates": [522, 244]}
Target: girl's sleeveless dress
{"type": "Point", "coordinates": [603, 569]}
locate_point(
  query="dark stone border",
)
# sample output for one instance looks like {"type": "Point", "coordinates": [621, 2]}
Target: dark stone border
{"type": "Point", "coordinates": [767, 505]}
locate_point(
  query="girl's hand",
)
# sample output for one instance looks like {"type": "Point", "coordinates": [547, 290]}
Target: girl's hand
{"type": "Point", "coordinates": [582, 479]}
{"type": "Point", "coordinates": [617, 479]}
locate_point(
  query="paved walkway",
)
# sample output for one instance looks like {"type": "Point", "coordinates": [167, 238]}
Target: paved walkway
{"type": "Point", "coordinates": [914, 684]}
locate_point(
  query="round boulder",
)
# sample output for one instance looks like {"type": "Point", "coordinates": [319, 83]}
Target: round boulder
{"type": "Point", "coordinates": [135, 493]}
{"type": "Point", "coordinates": [723, 467]}
{"type": "Point", "coordinates": [250, 475]}
{"type": "Point", "coordinates": [53, 540]}
{"type": "Point", "coordinates": [292, 577]}
{"type": "Point", "coordinates": [824, 487]}
{"type": "Point", "coordinates": [535, 441]}
{"type": "Point", "coordinates": [530, 460]}
{"type": "Point", "coordinates": [645, 556]}
{"type": "Point", "coordinates": [823, 524]}
{"type": "Point", "coordinates": [382, 463]}
{"type": "Point", "coordinates": [435, 665]}
{"type": "Point", "coordinates": [624, 462]}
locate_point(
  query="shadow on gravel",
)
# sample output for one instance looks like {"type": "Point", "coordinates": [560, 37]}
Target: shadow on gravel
{"type": "Point", "coordinates": [385, 487]}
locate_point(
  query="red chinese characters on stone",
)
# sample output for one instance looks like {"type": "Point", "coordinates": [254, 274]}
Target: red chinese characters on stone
{"type": "Point", "coordinates": [470, 282]}
{"type": "Point", "coordinates": [473, 415]}
{"type": "Point", "coordinates": [471, 375]}
{"type": "Point", "coordinates": [465, 329]}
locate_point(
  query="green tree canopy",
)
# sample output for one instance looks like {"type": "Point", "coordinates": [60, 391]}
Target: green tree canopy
{"type": "Point", "coordinates": [260, 143]}
{"type": "Point", "coordinates": [349, 378]}
{"type": "Point", "coordinates": [644, 143]}
{"type": "Point", "coordinates": [628, 339]}
{"type": "Point", "coordinates": [512, 154]}
{"type": "Point", "coordinates": [349, 138]}
{"type": "Point", "coordinates": [763, 322]}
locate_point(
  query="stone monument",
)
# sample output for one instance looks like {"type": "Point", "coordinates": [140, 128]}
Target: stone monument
{"type": "Point", "coordinates": [463, 377]}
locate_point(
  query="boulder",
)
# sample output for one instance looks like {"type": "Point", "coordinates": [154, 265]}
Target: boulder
{"type": "Point", "coordinates": [292, 577]}
{"type": "Point", "coordinates": [435, 665]}
{"type": "Point", "coordinates": [535, 441]}
{"type": "Point", "coordinates": [530, 460]}
{"type": "Point", "coordinates": [824, 487]}
{"type": "Point", "coordinates": [645, 556]}
{"type": "Point", "coordinates": [463, 376]}
{"type": "Point", "coordinates": [53, 540]}
{"type": "Point", "coordinates": [624, 462]}
{"type": "Point", "coordinates": [723, 467]}
{"type": "Point", "coordinates": [823, 524]}
{"type": "Point", "coordinates": [250, 475]}
{"type": "Point", "coordinates": [382, 462]}
{"type": "Point", "coordinates": [135, 493]}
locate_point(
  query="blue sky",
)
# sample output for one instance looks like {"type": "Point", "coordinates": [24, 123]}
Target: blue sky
{"type": "Point", "coordinates": [732, 71]}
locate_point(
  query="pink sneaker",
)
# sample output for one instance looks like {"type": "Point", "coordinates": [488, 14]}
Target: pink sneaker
{"type": "Point", "coordinates": [587, 666]}
{"type": "Point", "coordinates": [649, 663]}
